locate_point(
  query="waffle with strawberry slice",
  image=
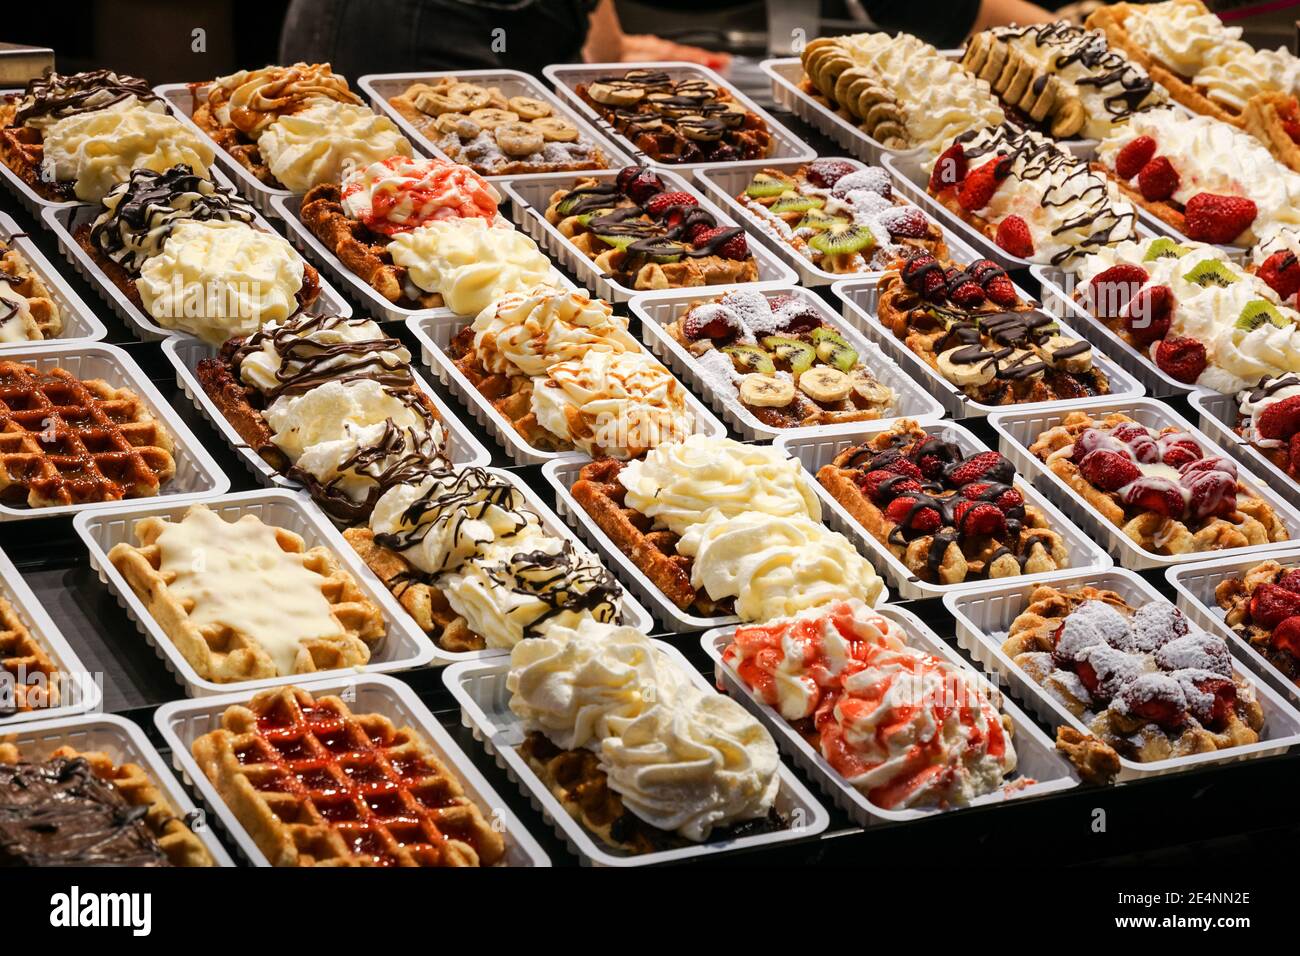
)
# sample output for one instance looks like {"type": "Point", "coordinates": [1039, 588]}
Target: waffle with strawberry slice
{"type": "Point", "coordinates": [1161, 488]}
{"type": "Point", "coordinates": [644, 235]}
{"type": "Point", "coordinates": [1144, 681]}
{"type": "Point", "coordinates": [1262, 604]}
{"type": "Point", "coordinates": [949, 517]}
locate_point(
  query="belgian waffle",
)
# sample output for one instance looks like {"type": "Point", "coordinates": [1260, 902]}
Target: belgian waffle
{"type": "Point", "coordinates": [222, 653]}
{"type": "Point", "coordinates": [316, 785]}
{"type": "Point", "coordinates": [1251, 522]}
{"type": "Point", "coordinates": [965, 542]}
{"type": "Point", "coordinates": [1270, 118]}
{"type": "Point", "coordinates": [40, 318]}
{"type": "Point", "coordinates": [22, 150]}
{"type": "Point", "coordinates": [22, 657]}
{"type": "Point", "coordinates": [1237, 597]}
{"type": "Point", "coordinates": [424, 602]}
{"type": "Point", "coordinates": [159, 836]}
{"type": "Point", "coordinates": [652, 550]}
{"type": "Point", "coordinates": [64, 441]}
{"type": "Point", "coordinates": [363, 251]}
{"type": "Point", "coordinates": [1124, 685]}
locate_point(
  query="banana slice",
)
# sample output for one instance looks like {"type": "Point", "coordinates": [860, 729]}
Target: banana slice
{"type": "Point", "coordinates": [433, 102]}
{"type": "Point", "coordinates": [518, 139]}
{"type": "Point", "coordinates": [473, 97]}
{"type": "Point", "coordinates": [457, 123]}
{"type": "Point", "coordinates": [972, 371]}
{"type": "Point", "coordinates": [1069, 355]}
{"type": "Point", "coordinates": [491, 118]}
{"type": "Point", "coordinates": [871, 389]}
{"type": "Point", "coordinates": [556, 129]}
{"type": "Point", "coordinates": [529, 108]}
{"type": "Point", "coordinates": [699, 128]}
{"type": "Point", "coordinates": [1069, 119]}
{"type": "Point", "coordinates": [609, 94]}
{"type": "Point", "coordinates": [766, 391]}
{"type": "Point", "coordinates": [825, 384]}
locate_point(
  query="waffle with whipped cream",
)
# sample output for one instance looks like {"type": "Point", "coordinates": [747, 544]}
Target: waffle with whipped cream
{"type": "Point", "coordinates": [28, 312]}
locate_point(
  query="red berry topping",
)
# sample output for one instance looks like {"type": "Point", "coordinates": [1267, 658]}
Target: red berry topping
{"type": "Point", "coordinates": [731, 242]}
{"type": "Point", "coordinates": [872, 481]}
{"type": "Point", "coordinates": [1013, 236]}
{"type": "Point", "coordinates": [1286, 636]}
{"type": "Point", "coordinates": [1158, 180]}
{"type": "Point", "coordinates": [1281, 271]}
{"type": "Point", "coordinates": [913, 517]}
{"type": "Point", "coordinates": [1114, 288]}
{"type": "Point", "coordinates": [1181, 358]}
{"type": "Point", "coordinates": [908, 223]}
{"type": "Point", "coordinates": [967, 294]}
{"type": "Point", "coordinates": [979, 518]}
{"type": "Point", "coordinates": [1210, 493]}
{"type": "Point", "coordinates": [1221, 219]}
{"type": "Point", "coordinates": [987, 465]}
{"type": "Point", "coordinates": [827, 172]}
{"type": "Point", "coordinates": [1178, 449]}
{"type": "Point", "coordinates": [1293, 456]}
{"type": "Point", "coordinates": [710, 322]}
{"type": "Point", "coordinates": [660, 203]}
{"type": "Point", "coordinates": [1001, 291]}
{"type": "Point", "coordinates": [923, 274]}
{"type": "Point", "coordinates": [1135, 154]}
{"type": "Point", "coordinates": [1291, 581]}
{"type": "Point", "coordinates": [1160, 495]}
{"type": "Point", "coordinates": [1148, 315]}
{"type": "Point", "coordinates": [1155, 697]}
{"type": "Point", "coordinates": [1279, 420]}
{"type": "Point", "coordinates": [1215, 702]}
{"type": "Point", "coordinates": [1271, 604]}
{"type": "Point", "coordinates": [979, 186]}
{"type": "Point", "coordinates": [640, 184]}
{"type": "Point", "coordinates": [949, 169]}
{"type": "Point", "coordinates": [1109, 470]}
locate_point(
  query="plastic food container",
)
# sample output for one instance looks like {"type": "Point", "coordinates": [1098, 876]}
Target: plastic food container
{"type": "Point", "coordinates": [984, 617]}
{"type": "Point", "coordinates": [1017, 430]}
{"type": "Point", "coordinates": [79, 322]}
{"type": "Point", "coordinates": [566, 77]}
{"type": "Point", "coordinates": [379, 87]}
{"type": "Point", "coordinates": [183, 722]}
{"type": "Point", "coordinates": [64, 221]}
{"type": "Point", "coordinates": [820, 448]}
{"type": "Point", "coordinates": [358, 290]}
{"type": "Point", "coordinates": [480, 690]}
{"type": "Point", "coordinates": [123, 742]}
{"type": "Point", "coordinates": [725, 184]}
{"type": "Point", "coordinates": [1219, 420]}
{"type": "Point", "coordinates": [436, 333]}
{"type": "Point", "coordinates": [657, 310]}
{"type": "Point", "coordinates": [197, 475]}
{"type": "Point", "coordinates": [1194, 586]}
{"type": "Point", "coordinates": [185, 353]}
{"type": "Point", "coordinates": [403, 647]}
{"type": "Point", "coordinates": [860, 298]}
{"type": "Point", "coordinates": [529, 197]}
{"type": "Point", "coordinates": [32, 201]}
{"type": "Point", "coordinates": [1037, 759]}
{"type": "Point", "coordinates": [79, 690]}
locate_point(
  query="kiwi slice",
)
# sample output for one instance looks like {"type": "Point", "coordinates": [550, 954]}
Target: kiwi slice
{"type": "Point", "coordinates": [618, 242]}
{"type": "Point", "coordinates": [842, 239]}
{"type": "Point", "coordinates": [764, 185]}
{"type": "Point", "coordinates": [834, 350]}
{"type": "Point", "coordinates": [817, 220]}
{"type": "Point", "coordinates": [793, 202]}
{"type": "Point", "coordinates": [798, 355]}
{"type": "Point", "coordinates": [1257, 312]}
{"type": "Point", "coordinates": [568, 203]}
{"type": "Point", "coordinates": [747, 358]}
{"type": "Point", "coordinates": [1210, 272]}
{"type": "Point", "coordinates": [1164, 248]}
{"type": "Point", "coordinates": [586, 217]}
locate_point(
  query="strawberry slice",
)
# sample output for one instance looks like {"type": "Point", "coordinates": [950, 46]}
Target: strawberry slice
{"type": "Point", "coordinates": [1219, 219]}
{"type": "Point", "coordinates": [1149, 314]}
{"type": "Point", "coordinates": [988, 465]}
{"type": "Point", "coordinates": [1286, 636]}
{"type": "Point", "coordinates": [1158, 180]}
{"type": "Point", "coordinates": [979, 518]}
{"type": "Point", "coordinates": [949, 169]}
{"type": "Point", "coordinates": [1135, 154]}
{"type": "Point", "coordinates": [1160, 495]}
{"type": "Point", "coordinates": [1270, 605]}
{"type": "Point", "coordinates": [979, 185]}
{"type": "Point", "coordinates": [1222, 700]}
{"type": "Point", "coordinates": [912, 516]}
{"type": "Point", "coordinates": [1290, 581]}
{"type": "Point", "coordinates": [1111, 289]}
{"type": "Point", "coordinates": [1013, 236]}
{"type": "Point", "coordinates": [1281, 271]}
{"type": "Point", "coordinates": [1279, 420]}
{"type": "Point", "coordinates": [1182, 358]}
{"type": "Point", "coordinates": [1109, 470]}
{"type": "Point", "coordinates": [660, 203]}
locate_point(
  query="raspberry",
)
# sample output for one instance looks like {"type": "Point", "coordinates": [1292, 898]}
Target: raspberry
{"type": "Point", "coordinates": [949, 169]}
{"type": "Point", "coordinates": [906, 513]}
{"type": "Point", "coordinates": [1112, 289]}
{"type": "Point", "coordinates": [1013, 236]}
{"type": "Point", "coordinates": [1281, 271]}
{"type": "Point", "coordinates": [827, 172]}
{"type": "Point", "coordinates": [1220, 219]}
{"type": "Point", "coordinates": [1181, 358]}
{"type": "Point", "coordinates": [979, 518]}
{"type": "Point", "coordinates": [1158, 180]}
{"type": "Point", "coordinates": [730, 242]}
{"type": "Point", "coordinates": [660, 203]}
{"type": "Point", "coordinates": [979, 186]}
{"type": "Point", "coordinates": [987, 465]}
{"type": "Point", "coordinates": [1148, 315]}
{"type": "Point", "coordinates": [1271, 604]}
{"type": "Point", "coordinates": [1286, 636]}
{"type": "Point", "coordinates": [1108, 470]}
{"type": "Point", "coordinates": [1135, 154]}
{"type": "Point", "coordinates": [1279, 420]}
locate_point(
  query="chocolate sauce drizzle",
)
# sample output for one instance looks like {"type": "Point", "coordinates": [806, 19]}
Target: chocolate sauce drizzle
{"type": "Point", "coordinates": [59, 95]}
{"type": "Point", "coordinates": [675, 106]}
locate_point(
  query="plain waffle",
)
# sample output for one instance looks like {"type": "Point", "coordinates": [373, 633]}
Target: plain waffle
{"type": "Point", "coordinates": [64, 441]}
{"type": "Point", "coordinates": [44, 318]}
{"type": "Point", "coordinates": [316, 785]}
{"type": "Point", "coordinates": [239, 147]}
{"type": "Point", "coordinates": [221, 652]}
{"type": "Point", "coordinates": [23, 658]}
{"type": "Point", "coordinates": [652, 550]}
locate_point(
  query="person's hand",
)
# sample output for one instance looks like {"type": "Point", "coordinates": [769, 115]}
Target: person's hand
{"type": "Point", "coordinates": [646, 47]}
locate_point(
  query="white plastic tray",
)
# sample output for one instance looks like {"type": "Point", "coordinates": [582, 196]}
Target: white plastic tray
{"type": "Point", "coordinates": [64, 221]}
{"type": "Point", "coordinates": [860, 297]}
{"type": "Point", "coordinates": [436, 333]}
{"type": "Point", "coordinates": [529, 197]}
{"type": "Point", "coordinates": [1017, 430]}
{"type": "Point", "coordinates": [123, 742]}
{"type": "Point", "coordinates": [1036, 756]}
{"type": "Point", "coordinates": [984, 617]}
{"type": "Point", "coordinates": [820, 448]}
{"type": "Point", "coordinates": [185, 353]}
{"type": "Point", "coordinates": [79, 690]}
{"type": "Point", "coordinates": [79, 322]}
{"type": "Point", "coordinates": [1053, 283]}
{"type": "Point", "coordinates": [724, 184]}
{"type": "Point", "coordinates": [32, 201]}
{"type": "Point", "coordinates": [566, 77]}
{"type": "Point", "coordinates": [358, 290]}
{"type": "Point", "coordinates": [1219, 420]}
{"type": "Point", "coordinates": [480, 690]}
{"type": "Point", "coordinates": [403, 647]}
{"type": "Point", "coordinates": [1194, 586]}
{"type": "Point", "coordinates": [656, 310]}
{"type": "Point", "coordinates": [197, 475]}
{"type": "Point", "coordinates": [183, 722]}
{"type": "Point", "coordinates": [379, 87]}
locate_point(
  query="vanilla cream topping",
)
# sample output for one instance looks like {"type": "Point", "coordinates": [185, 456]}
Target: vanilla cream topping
{"type": "Point", "coordinates": [533, 330]}
{"type": "Point", "coordinates": [320, 143]}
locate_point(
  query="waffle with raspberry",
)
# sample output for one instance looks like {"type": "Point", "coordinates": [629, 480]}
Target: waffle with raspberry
{"type": "Point", "coordinates": [1144, 681]}
{"type": "Point", "coordinates": [643, 235]}
{"type": "Point", "coordinates": [949, 517]}
{"type": "Point", "coordinates": [1160, 488]}
{"type": "Point", "coordinates": [1262, 604]}
{"type": "Point", "coordinates": [975, 331]}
